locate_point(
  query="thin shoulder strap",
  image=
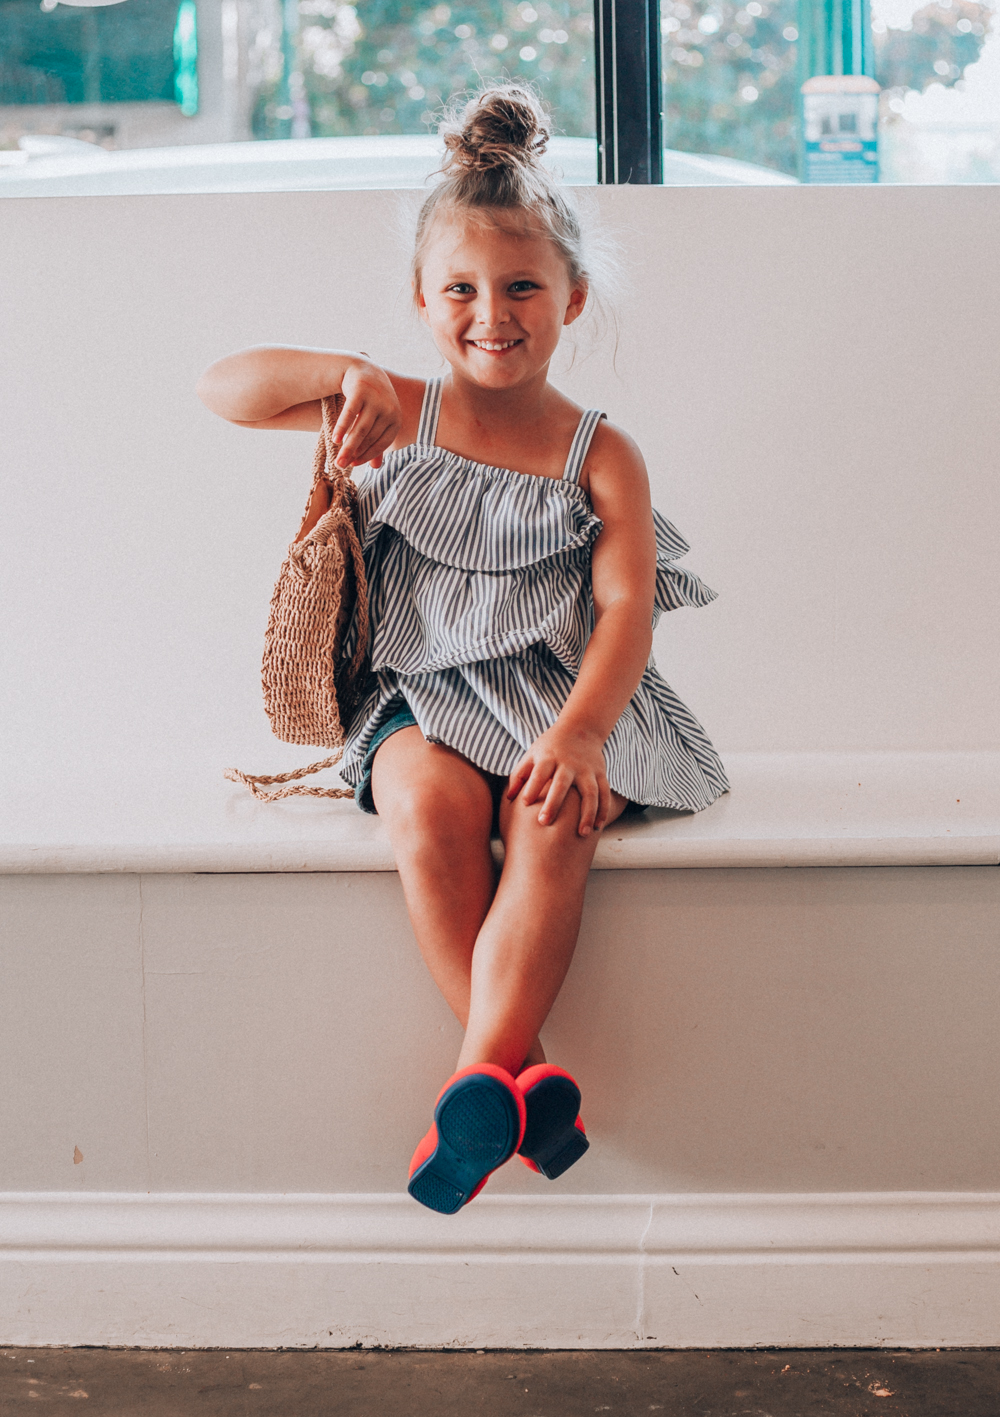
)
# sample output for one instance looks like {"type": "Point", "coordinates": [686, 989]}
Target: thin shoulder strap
{"type": "Point", "coordinates": [581, 443]}
{"type": "Point", "coordinates": [430, 411]}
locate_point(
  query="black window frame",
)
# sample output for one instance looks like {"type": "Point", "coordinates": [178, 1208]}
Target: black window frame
{"type": "Point", "coordinates": [628, 91]}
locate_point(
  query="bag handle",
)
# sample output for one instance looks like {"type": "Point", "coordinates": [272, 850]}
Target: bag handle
{"type": "Point", "coordinates": [250, 781]}
{"type": "Point", "coordinates": [325, 462]}
{"type": "Point", "coordinates": [342, 486]}
{"type": "Point", "coordinates": [331, 406]}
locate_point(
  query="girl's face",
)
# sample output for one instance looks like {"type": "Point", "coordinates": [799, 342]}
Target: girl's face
{"type": "Point", "coordinates": [496, 300]}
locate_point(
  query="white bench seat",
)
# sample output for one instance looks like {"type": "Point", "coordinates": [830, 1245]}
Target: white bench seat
{"type": "Point", "coordinates": [785, 809]}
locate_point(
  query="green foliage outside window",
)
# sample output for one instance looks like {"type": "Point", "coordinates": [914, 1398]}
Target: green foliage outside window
{"type": "Point", "coordinates": [731, 79]}
{"type": "Point", "coordinates": [387, 67]}
{"type": "Point", "coordinates": [942, 41]}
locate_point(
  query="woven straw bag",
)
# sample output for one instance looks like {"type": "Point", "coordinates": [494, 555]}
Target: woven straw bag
{"type": "Point", "coordinates": [309, 695]}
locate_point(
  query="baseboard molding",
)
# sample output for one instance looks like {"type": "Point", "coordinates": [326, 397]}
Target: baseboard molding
{"type": "Point", "coordinates": [897, 1269]}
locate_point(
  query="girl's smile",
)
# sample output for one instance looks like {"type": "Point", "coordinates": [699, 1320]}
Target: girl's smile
{"type": "Point", "coordinates": [494, 347]}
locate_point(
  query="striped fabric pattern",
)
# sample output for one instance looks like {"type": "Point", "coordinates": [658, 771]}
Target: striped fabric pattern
{"type": "Point", "coordinates": [480, 609]}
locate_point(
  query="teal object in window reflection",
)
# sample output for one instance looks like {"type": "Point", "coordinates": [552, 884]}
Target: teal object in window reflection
{"type": "Point", "coordinates": [186, 58]}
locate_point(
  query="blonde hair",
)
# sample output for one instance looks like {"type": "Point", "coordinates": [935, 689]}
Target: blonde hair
{"type": "Point", "coordinates": [493, 145]}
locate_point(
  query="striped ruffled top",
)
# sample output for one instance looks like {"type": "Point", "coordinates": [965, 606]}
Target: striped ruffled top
{"type": "Point", "coordinates": [481, 609]}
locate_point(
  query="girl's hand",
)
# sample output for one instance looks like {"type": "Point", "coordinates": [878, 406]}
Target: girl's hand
{"type": "Point", "coordinates": [371, 416]}
{"type": "Point", "coordinates": [560, 759]}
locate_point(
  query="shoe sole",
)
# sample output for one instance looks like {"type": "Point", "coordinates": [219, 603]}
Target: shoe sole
{"type": "Point", "coordinates": [552, 1140]}
{"type": "Point", "coordinates": [477, 1123]}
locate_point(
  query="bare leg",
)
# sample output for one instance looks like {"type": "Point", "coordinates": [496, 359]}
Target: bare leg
{"type": "Point", "coordinates": [527, 940]}
{"type": "Point", "coordinates": [438, 810]}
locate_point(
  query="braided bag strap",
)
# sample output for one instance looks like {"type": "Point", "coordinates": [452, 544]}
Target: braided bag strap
{"type": "Point", "coordinates": [344, 493]}
{"type": "Point", "coordinates": [255, 783]}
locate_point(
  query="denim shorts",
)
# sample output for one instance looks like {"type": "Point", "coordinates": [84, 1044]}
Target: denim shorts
{"type": "Point", "coordinates": [399, 717]}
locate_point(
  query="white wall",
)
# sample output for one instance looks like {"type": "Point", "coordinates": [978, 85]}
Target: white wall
{"type": "Point", "coordinates": [732, 1031]}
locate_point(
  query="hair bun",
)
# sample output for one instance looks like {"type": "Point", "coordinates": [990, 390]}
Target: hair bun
{"type": "Point", "coordinates": [501, 126]}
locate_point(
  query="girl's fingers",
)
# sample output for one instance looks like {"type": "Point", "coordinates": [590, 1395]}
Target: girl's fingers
{"type": "Point", "coordinates": [518, 778]}
{"type": "Point", "coordinates": [381, 435]}
{"type": "Point", "coordinates": [373, 437]}
{"type": "Point", "coordinates": [374, 432]}
{"type": "Point", "coordinates": [541, 775]}
{"type": "Point", "coordinates": [348, 414]}
{"type": "Point", "coordinates": [604, 804]}
{"type": "Point", "coordinates": [561, 783]}
{"type": "Point", "coordinates": [344, 452]}
{"type": "Point", "coordinates": [356, 438]}
{"type": "Point", "coordinates": [546, 777]}
{"type": "Point", "coordinates": [590, 806]}
{"type": "Point", "coordinates": [368, 439]}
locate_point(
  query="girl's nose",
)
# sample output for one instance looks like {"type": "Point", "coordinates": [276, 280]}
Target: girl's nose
{"type": "Point", "coordinates": [491, 311]}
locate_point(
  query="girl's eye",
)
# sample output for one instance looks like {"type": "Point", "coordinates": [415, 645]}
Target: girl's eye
{"type": "Point", "coordinates": [520, 287]}
{"type": "Point", "coordinates": [461, 287]}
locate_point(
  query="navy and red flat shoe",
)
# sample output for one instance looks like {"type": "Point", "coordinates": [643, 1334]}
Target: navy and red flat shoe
{"type": "Point", "coordinates": [478, 1124]}
{"type": "Point", "coordinates": [553, 1135]}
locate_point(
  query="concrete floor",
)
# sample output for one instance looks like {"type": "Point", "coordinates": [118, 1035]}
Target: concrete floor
{"type": "Point", "coordinates": [359, 1383]}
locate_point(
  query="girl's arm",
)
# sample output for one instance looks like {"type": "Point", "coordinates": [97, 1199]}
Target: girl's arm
{"type": "Point", "coordinates": [280, 386]}
{"type": "Point", "coordinates": [571, 753]}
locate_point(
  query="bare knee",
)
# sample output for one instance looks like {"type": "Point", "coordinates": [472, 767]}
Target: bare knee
{"type": "Point", "coordinates": [432, 803]}
{"type": "Point", "coordinates": [519, 822]}
{"type": "Point", "coordinates": [433, 814]}
{"type": "Point", "coordinates": [560, 838]}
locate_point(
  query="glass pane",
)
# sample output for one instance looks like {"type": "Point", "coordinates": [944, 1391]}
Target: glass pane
{"type": "Point", "coordinates": [232, 70]}
{"type": "Point", "coordinates": [732, 80]}
{"type": "Point", "coordinates": [939, 67]}
{"type": "Point", "coordinates": [61, 54]}
{"type": "Point", "coordinates": [386, 66]}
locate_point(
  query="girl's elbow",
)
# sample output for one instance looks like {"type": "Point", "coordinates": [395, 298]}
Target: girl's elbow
{"type": "Point", "coordinates": [633, 618]}
{"type": "Point", "coordinates": [207, 391]}
{"type": "Point", "coordinates": [221, 393]}
{"type": "Point", "coordinates": [641, 616]}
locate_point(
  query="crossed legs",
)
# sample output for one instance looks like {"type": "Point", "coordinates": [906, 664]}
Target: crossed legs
{"type": "Point", "coordinates": [497, 949]}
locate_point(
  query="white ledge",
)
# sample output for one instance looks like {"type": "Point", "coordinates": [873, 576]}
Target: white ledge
{"type": "Point", "coordinates": [624, 854]}
{"type": "Point", "coordinates": [784, 810]}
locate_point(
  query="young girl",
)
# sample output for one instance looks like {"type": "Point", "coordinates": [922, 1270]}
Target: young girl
{"type": "Point", "coordinates": [515, 571]}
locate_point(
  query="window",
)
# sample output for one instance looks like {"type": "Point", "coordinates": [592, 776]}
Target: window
{"type": "Point", "coordinates": [733, 73]}
{"type": "Point", "coordinates": [141, 74]}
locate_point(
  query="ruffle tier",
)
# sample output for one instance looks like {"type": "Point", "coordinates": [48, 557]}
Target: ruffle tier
{"type": "Point", "coordinates": [467, 562]}
{"type": "Point", "coordinates": [481, 608]}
